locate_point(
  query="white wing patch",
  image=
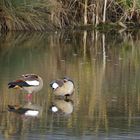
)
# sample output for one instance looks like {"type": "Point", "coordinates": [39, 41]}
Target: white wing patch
{"type": "Point", "coordinates": [55, 85]}
{"type": "Point", "coordinates": [33, 83]}
{"type": "Point", "coordinates": [54, 109]}
{"type": "Point", "coordinates": [32, 113]}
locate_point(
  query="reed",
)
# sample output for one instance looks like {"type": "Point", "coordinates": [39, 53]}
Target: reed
{"type": "Point", "coordinates": [53, 14]}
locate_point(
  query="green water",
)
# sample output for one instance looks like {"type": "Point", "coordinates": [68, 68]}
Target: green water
{"type": "Point", "coordinates": [105, 69]}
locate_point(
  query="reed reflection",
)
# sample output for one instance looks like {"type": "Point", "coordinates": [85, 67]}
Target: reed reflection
{"type": "Point", "coordinates": [104, 67]}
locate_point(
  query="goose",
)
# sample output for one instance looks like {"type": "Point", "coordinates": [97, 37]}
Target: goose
{"type": "Point", "coordinates": [28, 83]}
{"type": "Point", "coordinates": [62, 87]}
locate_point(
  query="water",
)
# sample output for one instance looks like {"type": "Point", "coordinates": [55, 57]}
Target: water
{"type": "Point", "coordinates": [105, 69]}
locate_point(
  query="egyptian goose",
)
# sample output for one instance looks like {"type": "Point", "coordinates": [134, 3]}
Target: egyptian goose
{"type": "Point", "coordinates": [62, 87]}
{"type": "Point", "coordinates": [28, 83]}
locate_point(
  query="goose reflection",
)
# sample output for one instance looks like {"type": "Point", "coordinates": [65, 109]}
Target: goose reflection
{"type": "Point", "coordinates": [62, 87]}
{"type": "Point", "coordinates": [28, 83]}
{"type": "Point", "coordinates": [62, 106]}
{"type": "Point", "coordinates": [27, 110]}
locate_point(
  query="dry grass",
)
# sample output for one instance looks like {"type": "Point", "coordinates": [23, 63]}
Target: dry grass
{"type": "Point", "coordinates": [53, 14]}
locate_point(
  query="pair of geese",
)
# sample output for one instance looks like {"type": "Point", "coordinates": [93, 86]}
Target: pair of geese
{"type": "Point", "coordinates": [31, 83]}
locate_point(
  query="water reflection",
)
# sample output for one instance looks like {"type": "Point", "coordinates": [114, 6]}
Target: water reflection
{"type": "Point", "coordinates": [62, 106]}
{"type": "Point", "coordinates": [105, 69]}
{"type": "Point", "coordinates": [26, 110]}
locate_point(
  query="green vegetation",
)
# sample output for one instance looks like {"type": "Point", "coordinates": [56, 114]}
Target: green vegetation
{"type": "Point", "coordinates": [54, 14]}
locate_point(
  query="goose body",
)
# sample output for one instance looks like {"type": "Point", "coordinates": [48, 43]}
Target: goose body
{"type": "Point", "coordinates": [29, 83]}
{"type": "Point", "coordinates": [62, 87]}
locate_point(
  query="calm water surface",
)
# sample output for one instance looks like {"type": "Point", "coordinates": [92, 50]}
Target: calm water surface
{"type": "Point", "coordinates": [105, 69]}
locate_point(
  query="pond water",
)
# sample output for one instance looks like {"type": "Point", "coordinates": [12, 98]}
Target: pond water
{"type": "Point", "coordinates": [105, 69]}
